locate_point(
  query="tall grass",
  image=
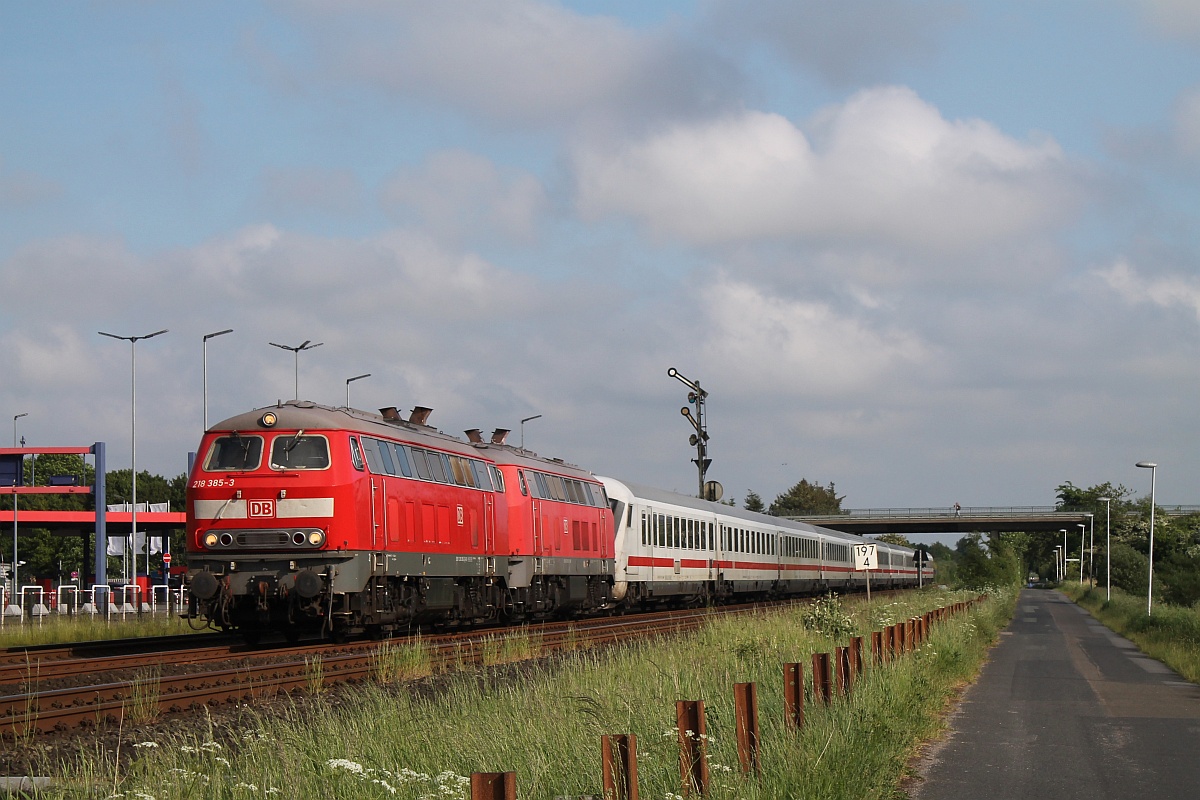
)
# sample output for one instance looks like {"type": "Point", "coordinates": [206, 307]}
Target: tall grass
{"type": "Point", "coordinates": [1170, 634]}
{"type": "Point", "coordinates": [544, 721]}
{"type": "Point", "coordinates": [85, 628]}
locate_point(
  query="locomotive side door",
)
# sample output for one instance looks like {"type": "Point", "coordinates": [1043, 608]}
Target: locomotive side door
{"type": "Point", "coordinates": [377, 507]}
{"type": "Point", "coordinates": [489, 523]}
{"type": "Point", "coordinates": [536, 509]}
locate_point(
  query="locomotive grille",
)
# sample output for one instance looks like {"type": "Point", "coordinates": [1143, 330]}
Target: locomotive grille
{"type": "Point", "coordinates": [259, 539]}
{"type": "Point", "coordinates": [263, 538]}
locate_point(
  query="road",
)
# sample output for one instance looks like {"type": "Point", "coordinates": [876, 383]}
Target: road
{"type": "Point", "coordinates": [1067, 709]}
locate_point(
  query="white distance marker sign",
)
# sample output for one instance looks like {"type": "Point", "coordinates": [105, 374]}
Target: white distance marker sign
{"type": "Point", "coordinates": [865, 557]}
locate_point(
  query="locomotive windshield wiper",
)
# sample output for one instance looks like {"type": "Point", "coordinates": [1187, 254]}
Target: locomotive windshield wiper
{"type": "Point", "coordinates": [287, 448]}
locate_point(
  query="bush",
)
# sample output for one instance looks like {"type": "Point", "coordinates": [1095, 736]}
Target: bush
{"type": "Point", "coordinates": [828, 617]}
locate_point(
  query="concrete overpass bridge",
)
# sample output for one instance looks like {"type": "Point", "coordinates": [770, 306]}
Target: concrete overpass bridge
{"type": "Point", "coordinates": [986, 519]}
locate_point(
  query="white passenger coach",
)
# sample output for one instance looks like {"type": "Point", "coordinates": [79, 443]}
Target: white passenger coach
{"type": "Point", "coordinates": [671, 546]}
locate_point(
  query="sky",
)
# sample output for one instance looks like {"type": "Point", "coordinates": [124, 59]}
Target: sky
{"type": "Point", "coordinates": [932, 251]}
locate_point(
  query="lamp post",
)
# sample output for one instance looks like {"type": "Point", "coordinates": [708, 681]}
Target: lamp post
{"type": "Point", "coordinates": [133, 340]}
{"type": "Point", "coordinates": [1107, 544]}
{"type": "Point", "coordinates": [21, 480]}
{"type": "Point", "coordinates": [1091, 550]}
{"type": "Point", "coordinates": [296, 350]}
{"type": "Point", "coordinates": [1063, 531]}
{"type": "Point", "coordinates": [351, 380]}
{"type": "Point", "coordinates": [527, 419]}
{"type": "Point", "coordinates": [1058, 562]}
{"type": "Point", "coordinates": [1150, 465]}
{"type": "Point", "coordinates": [208, 336]}
{"type": "Point", "coordinates": [1082, 547]}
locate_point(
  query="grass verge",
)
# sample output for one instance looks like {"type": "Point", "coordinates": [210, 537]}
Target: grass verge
{"type": "Point", "coordinates": [544, 720]}
{"type": "Point", "coordinates": [85, 628]}
{"type": "Point", "coordinates": [1170, 634]}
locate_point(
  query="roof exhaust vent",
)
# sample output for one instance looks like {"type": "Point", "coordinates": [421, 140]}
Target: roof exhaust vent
{"type": "Point", "coordinates": [420, 415]}
{"type": "Point", "coordinates": [391, 414]}
{"type": "Point", "coordinates": [499, 435]}
{"type": "Point", "coordinates": [474, 435]}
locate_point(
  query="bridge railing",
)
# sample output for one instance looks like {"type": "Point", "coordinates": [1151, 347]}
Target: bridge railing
{"type": "Point", "coordinates": [973, 511]}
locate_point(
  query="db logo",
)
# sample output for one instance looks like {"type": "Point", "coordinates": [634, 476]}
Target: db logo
{"type": "Point", "coordinates": [261, 508]}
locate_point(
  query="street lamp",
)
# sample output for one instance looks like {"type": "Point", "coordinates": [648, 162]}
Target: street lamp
{"type": "Point", "coordinates": [1063, 531]}
{"type": "Point", "coordinates": [133, 340]}
{"type": "Point", "coordinates": [1082, 547]}
{"type": "Point", "coordinates": [306, 346]}
{"type": "Point", "coordinates": [1150, 465]}
{"type": "Point", "coordinates": [349, 381]}
{"type": "Point", "coordinates": [21, 479]}
{"type": "Point", "coordinates": [208, 336]}
{"type": "Point", "coordinates": [1107, 544]}
{"type": "Point", "coordinates": [527, 419]}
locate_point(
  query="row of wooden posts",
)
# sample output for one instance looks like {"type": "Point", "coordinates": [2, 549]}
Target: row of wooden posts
{"type": "Point", "coordinates": [831, 677]}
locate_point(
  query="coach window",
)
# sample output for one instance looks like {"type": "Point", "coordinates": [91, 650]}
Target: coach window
{"type": "Point", "coordinates": [402, 460]}
{"type": "Point", "coordinates": [437, 468]}
{"type": "Point", "coordinates": [385, 455]}
{"type": "Point", "coordinates": [483, 477]}
{"type": "Point", "coordinates": [234, 453]}
{"type": "Point", "coordinates": [420, 463]}
{"type": "Point", "coordinates": [299, 452]}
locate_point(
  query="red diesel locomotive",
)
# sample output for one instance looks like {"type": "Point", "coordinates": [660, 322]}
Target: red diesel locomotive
{"type": "Point", "coordinates": [309, 518]}
{"type": "Point", "coordinates": [304, 517]}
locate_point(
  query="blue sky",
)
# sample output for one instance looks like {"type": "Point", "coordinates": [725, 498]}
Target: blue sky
{"type": "Point", "coordinates": [931, 251]}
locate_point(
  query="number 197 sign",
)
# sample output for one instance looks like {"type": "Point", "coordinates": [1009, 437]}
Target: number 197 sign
{"type": "Point", "coordinates": [865, 557]}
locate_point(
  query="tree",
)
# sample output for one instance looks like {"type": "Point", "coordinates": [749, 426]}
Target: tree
{"type": "Point", "coordinates": [807, 499]}
{"type": "Point", "coordinates": [754, 502]}
{"type": "Point", "coordinates": [895, 538]}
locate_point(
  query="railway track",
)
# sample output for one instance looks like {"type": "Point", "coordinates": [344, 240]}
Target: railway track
{"type": "Point", "coordinates": [265, 672]}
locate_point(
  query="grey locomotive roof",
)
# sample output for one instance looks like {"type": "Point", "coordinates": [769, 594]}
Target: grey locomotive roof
{"type": "Point", "coordinates": [655, 495]}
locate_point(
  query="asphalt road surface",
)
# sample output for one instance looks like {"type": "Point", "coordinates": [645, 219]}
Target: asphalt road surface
{"type": "Point", "coordinates": [1067, 709]}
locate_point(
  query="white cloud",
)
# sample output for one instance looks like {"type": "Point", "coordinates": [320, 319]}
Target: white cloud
{"type": "Point", "coordinates": [1178, 19]}
{"type": "Point", "coordinates": [20, 189]}
{"type": "Point", "coordinates": [520, 61]}
{"type": "Point", "coordinates": [457, 194]}
{"type": "Point", "coordinates": [884, 166]}
{"type": "Point", "coordinates": [328, 192]}
{"type": "Point", "coordinates": [848, 42]}
{"type": "Point", "coordinates": [801, 349]}
{"type": "Point", "coordinates": [1166, 292]}
{"type": "Point", "coordinates": [1186, 123]}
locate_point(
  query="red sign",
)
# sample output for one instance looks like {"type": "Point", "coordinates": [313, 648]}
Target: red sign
{"type": "Point", "coordinates": [261, 508]}
{"type": "Point", "coordinates": [166, 558]}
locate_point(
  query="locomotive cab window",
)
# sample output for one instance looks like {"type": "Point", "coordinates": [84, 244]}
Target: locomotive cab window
{"type": "Point", "coordinates": [234, 453]}
{"type": "Point", "coordinates": [299, 452]}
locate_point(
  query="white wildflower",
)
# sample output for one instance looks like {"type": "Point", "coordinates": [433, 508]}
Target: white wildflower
{"type": "Point", "coordinates": [350, 766]}
{"type": "Point", "coordinates": [141, 745]}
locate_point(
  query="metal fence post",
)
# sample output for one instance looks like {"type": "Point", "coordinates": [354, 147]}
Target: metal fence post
{"type": "Point", "coordinates": [493, 786]}
{"type": "Point", "coordinates": [745, 712]}
{"type": "Point", "coordinates": [693, 746]}
{"type": "Point", "coordinates": [793, 695]}
{"type": "Point", "coordinates": [822, 686]}
{"type": "Point", "coordinates": [619, 758]}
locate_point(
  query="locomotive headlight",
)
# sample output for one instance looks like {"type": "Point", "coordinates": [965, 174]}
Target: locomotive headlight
{"type": "Point", "coordinates": [268, 420]}
{"type": "Point", "coordinates": [210, 539]}
{"type": "Point", "coordinates": [316, 538]}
